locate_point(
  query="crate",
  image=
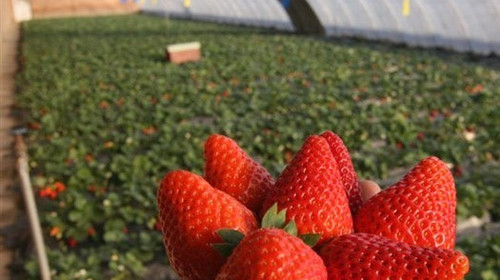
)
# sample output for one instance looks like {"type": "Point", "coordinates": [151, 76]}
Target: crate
{"type": "Point", "coordinates": [182, 53]}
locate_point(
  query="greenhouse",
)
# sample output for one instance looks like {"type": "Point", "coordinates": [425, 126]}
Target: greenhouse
{"type": "Point", "coordinates": [291, 139]}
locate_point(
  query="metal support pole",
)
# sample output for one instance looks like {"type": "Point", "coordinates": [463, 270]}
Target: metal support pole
{"type": "Point", "coordinates": [303, 17]}
{"type": "Point", "coordinates": [29, 199]}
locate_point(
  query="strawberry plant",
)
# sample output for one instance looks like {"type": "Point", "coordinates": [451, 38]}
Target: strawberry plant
{"type": "Point", "coordinates": [108, 117]}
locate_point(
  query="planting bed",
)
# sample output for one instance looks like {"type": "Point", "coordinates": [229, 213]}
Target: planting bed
{"type": "Point", "coordinates": [108, 117]}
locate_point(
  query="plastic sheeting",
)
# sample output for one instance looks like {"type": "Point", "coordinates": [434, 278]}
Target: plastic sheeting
{"type": "Point", "coordinates": [254, 12]}
{"type": "Point", "coordinates": [461, 25]}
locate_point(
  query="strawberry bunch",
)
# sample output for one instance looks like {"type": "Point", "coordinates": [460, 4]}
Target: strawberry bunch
{"type": "Point", "coordinates": [237, 222]}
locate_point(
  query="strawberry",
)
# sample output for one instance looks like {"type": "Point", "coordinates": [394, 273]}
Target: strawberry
{"type": "Point", "coordinates": [268, 254]}
{"type": "Point", "coordinates": [369, 256]}
{"type": "Point", "coordinates": [346, 169]}
{"type": "Point", "coordinates": [230, 169]}
{"type": "Point", "coordinates": [419, 209]}
{"type": "Point", "coordinates": [311, 190]}
{"type": "Point", "coordinates": [190, 213]}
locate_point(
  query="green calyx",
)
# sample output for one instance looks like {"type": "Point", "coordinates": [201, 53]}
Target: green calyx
{"type": "Point", "coordinates": [277, 219]}
{"type": "Point", "coordinates": [311, 239]}
{"type": "Point", "coordinates": [272, 219]}
{"type": "Point", "coordinates": [231, 239]}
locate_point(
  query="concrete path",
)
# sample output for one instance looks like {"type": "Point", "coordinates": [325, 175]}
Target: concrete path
{"type": "Point", "coordinates": [9, 196]}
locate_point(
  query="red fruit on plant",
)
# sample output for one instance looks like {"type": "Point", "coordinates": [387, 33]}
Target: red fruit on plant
{"type": "Point", "coordinates": [59, 187]}
{"type": "Point", "coordinates": [418, 210]}
{"type": "Point", "coordinates": [230, 169]}
{"type": "Point", "coordinates": [190, 213]}
{"type": "Point", "coordinates": [369, 256]}
{"type": "Point", "coordinates": [272, 254]}
{"type": "Point", "coordinates": [311, 190]}
{"type": "Point", "coordinates": [72, 242]}
{"type": "Point", "coordinates": [346, 169]}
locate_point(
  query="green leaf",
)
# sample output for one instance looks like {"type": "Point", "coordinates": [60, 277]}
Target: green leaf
{"type": "Point", "coordinates": [224, 249]}
{"type": "Point", "coordinates": [311, 239]}
{"type": "Point", "coordinates": [230, 236]}
{"type": "Point", "coordinates": [113, 236]}
{"type": "Point", "coordinates": [84, 173]}
{"type": "Point", "coordinates": [75, 215]}
{"type": "Point", "coordinates": [291, 228]}
{"type": "Point", "coordinates": [488, 275]}
{"type": "Point", "coordinates": [114, 224]}
{"type": "Point", "coordinates": [273, 218]}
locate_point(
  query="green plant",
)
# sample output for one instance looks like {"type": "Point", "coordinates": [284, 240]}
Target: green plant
{"type": "Point", "coordinates": [108, 117]}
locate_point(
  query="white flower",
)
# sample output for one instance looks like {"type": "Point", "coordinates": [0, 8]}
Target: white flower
{"type": "Point", "coordinates": [106, 202]}
{"type": "Point", "coordinates": [469, 135]}
{"type": "Point", "coordinates": [82, 272]}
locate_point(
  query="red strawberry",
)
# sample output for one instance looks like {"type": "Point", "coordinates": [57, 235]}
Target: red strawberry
{"type": "Point", "coordinates": [311, 190]}
{"type": "Point", "coordinates": [268, 254]}
{"type": "Point", "coordinates": [419, 209]}
{"type": "Point", "coordinates": [347, 172]}
{"type": "Point", "coordinates": [230, 169]}
{"type": "Point", "coordinates": [190, 213]}
{"type": "Point", "coordinates": [369, 256]}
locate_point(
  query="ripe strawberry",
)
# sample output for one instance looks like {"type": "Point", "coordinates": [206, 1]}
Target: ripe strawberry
{"type": "Point", "coordinates": [346, 169]}
{"type": "Point", "coordinates": [369, 256]}
{"type": "Point", "coordinates": [230, 169]}
{"type": "Point", "coordinates": [311, 190]}
{"type": "Point", "coordinates": [268, 254]}
{"type": "Point", "coordinates": [419, 209]}
{"type": "Point", "coordinates": [190, 213]}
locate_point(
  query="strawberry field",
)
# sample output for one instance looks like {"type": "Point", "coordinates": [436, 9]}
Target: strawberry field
{"type": "Point", "coordinates": [108, 117]}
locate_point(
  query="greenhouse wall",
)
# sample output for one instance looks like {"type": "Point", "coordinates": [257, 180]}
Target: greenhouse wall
{"type": "Point", "coordinates": [461, 25]}
{"type": "Point", "coordinates": [260, 13]}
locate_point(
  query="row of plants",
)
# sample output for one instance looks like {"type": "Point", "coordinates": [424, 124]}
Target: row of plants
{"type": "Point", "coordinates": [108, 117]}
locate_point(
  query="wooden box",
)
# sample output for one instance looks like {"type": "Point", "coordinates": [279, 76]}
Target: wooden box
{"type": "Point", "coordinates": [185, 52]}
